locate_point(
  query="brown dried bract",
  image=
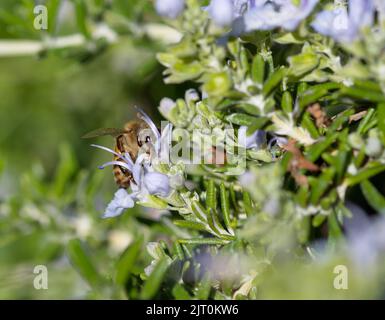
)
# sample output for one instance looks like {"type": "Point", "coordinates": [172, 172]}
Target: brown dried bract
{"type": "Point", "coordinates": [319, 115]}
{"type": "Point", "coordinates": [298, 162]}
{"type": "Point", "coordinates": [357, 116]}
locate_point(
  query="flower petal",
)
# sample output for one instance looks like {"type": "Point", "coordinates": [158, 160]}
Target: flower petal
{"type": "Point", "coordinates": [342, 26]}
{"type": "Point", "coordinates": [137, 169]}
{"type": "Point", "coordinates": [149, 122]}
{"type": "Point", "coordinates": [255, 140]}
{"type": "Point", "coordinates": [128, 159]}
{"type": "Point", "coordinates": [222, 12]}
{"type": "Point", "coordinates": [267, 15]}
{"type": "Point", "coordinates": [157, 183]}
{"type": "Point", "coordinates": [109, 150]}
{"type": "Point", "coordinates": [361, 13]}
{"type": "Point", "coordinates": [116, 163]}
{"type": "Point", "coordinates": [121, 201]}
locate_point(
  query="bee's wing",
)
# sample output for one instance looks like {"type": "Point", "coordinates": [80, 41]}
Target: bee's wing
{"type": "Point", "coordinates": [104, 132]}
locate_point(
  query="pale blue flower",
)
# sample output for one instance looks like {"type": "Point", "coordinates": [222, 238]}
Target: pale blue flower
{"type": "Point", "coordinates": [169, 8]}
{"type": "Point", "coordinates": [242, 6]}
{"type": "Point", "coordinates": [145, 180]}
{"type": "Point", "coordinates": [191, 95]}
{"type": "Point", "coordinates": [334, 23]}
{"type": "Point", "coordinates": [342, 25]}
{"type": "Point", "coordinates": [267, 15]}
{"type": "Point", "coordinates": [256, 140]}
{"type": "Point", "coordinates": [224, 12]}
{"type": "Point", "coordinates": [366, 240]}
{"type": "Point", "coordinates": [361, 12]}
{"type": "Point", "coordinates": [121, 201]}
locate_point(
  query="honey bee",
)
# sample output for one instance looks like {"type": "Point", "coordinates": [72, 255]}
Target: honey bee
{"type": "Point", "coordinates": [136, 135]}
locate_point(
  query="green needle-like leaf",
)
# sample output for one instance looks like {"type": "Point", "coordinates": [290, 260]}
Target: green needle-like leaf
{"type": "Point", "coordinates": [373, 196]}
{"type": "Point", "coordinates": [127, 262]}
{"type": "Point", "coordinates": [154, 281]}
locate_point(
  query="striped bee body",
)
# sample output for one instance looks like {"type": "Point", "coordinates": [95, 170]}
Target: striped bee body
{"type": "Point", "coordinates": [129, 142]}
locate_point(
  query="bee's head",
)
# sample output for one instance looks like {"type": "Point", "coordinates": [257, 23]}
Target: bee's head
{"type": "Point", "coordinates": [146, 138]}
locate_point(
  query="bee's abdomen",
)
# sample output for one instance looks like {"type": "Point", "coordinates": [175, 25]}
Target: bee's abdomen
{"type": "Point", "coordinates": [124, 144]}
{"type": "Point", "coordinates": [122, 179]}
{"type": "Point", "coordinates": [122, 176]}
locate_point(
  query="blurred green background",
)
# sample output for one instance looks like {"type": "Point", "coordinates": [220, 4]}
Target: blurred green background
{"type": "Point", "coordinates": [51, 192]}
